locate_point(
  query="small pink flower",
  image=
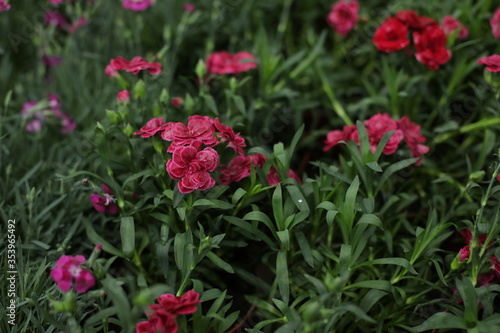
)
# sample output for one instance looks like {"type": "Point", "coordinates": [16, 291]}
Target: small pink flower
{"type": "Point", "coordinates": [55, 18]}
{"type": "Point", "coordinates": [464, 253]}
{"type": "Point", "coordinates": [178, 305]}
{"type": "Point", "coordinates": [198, 129]}
{"type": "Point", "coordinates": [234, 141]}
{"type": "Point", "coordinates": [81, 22]}
{"type": "Point", "coordinates": [123, 97]}
{"type": "Point", "coordinates": [67, 124]}
{"type": "Point", "coordinates": [55, 2]}
{"type": "Point", "coordinates": [192, 167]}
{"type": "Point", "coordinates": [492, 63]}
{"type": "Point", "coordinates": [225, 63]}
{"type": "Point", "coordinates": [495, 24]}
{"type": "Point", "coordinates": [343, 16]}
{"type": "Point", "coordinates": [133, 66]}
{"type": "Point", "coordinates": [105, 203]}
{"type": "Point", "coordinates": [451, 24]}
{"type": "Point", "coordinates": [239, 168]}
{"type": "Point", "coordinates": [189, 7]}
{"type": "Point", "coordinates": [51, 61]}
{"type": "Point", "coordinates": [162, 323]}
{"type": "Point", "coordinates": [137, 5]}
{"type": "Point", "coordinates": [152, 127]}
{"type": "Point", "coordinates": [4, 6]}
{"type": "Point", "coordinates": [68, 270]}
{"type": "Point", "coordinates": [177, 101]}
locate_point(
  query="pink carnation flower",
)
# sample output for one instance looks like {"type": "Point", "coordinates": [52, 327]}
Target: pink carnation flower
{"type": "Point", "coordinates": [152, 127]}
{"type": "Point", "coordinates": [239, 168]}
{"type": "Point", "coordinates": [189, 7]}
{"type": "Point", "coordinates": [133, 66]}
{"type": "Point", "coordinates": [225, 63]}
{"type": "Point", "coordinates": [4, 6]}
{"type": "Point", "coordinates": [192, 167]}
{"type": "Point", "coordinates": [413, 138]}
{"type": "Point", "coordinates": [343, 16]}
{"type": "Point", "coordinates": [137, 5]}
{"type": "Point", "coordinates": [377, 126]}
{"type": "Point", "coordinates": [234, 141]}
{"type": "Point", "coordinates": [198, 129]}
{"type": "Point", "coordinates": [105, 203]}
{"type": "Point", "coordinates": [495, 24]}
{"type": "Point", "coordinates": [55, 18]}
{"type": "Point", "coordinates": [451, 24]}
{"type": "Point", "coordinates": [123, 97]}
{"type": "Point", "coordinates": [68, 270]}
{"type": "Point", "coordinates": [492, 63]}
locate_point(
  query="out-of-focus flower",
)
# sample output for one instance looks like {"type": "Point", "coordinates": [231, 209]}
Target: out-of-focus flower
{"type": "Point", "coordinates": [451, 24]}
{"type": "Point", "coordinates": [55, 18]}
{"type": "Point", "coordinates": [273, 177]}
{"type": "Point", "coordinates": [225, 63]}
{"type": "Point", "coordinates": [51, 61]}
{"type": "Point", "coordinates": [105, 203]}
{"type": "Point", "coordinates": [177, 101]}
{"type": "Point", "coordinates": [4, 5]}
{"type": "Point", "coordinates": [492, 63]}
{"type": "Point", "coordinates": [430, 44]}
{"type": "Point", "coordinates": [234, 141]}
{"type": "Point", "coordinates": [123, 97]}
{"type": "Point", "coordinates": [239, 168]}
{"type": "Point", "coordinates": [68, 270]}
{"type": "Point", "coordinates": [343, 16]}
{"type": "Point", "coordinates": [495, 23]}
{"type": "Point", "coordinates": [81, 22]}
{"type": "Point", "coordinates": [391, 35]}
{"type": "Point", "coordinates": [137, 5]}
{"type": "Point", "coordinates": [414, 21]}
{"type": "Point", "coordinates": [152, 127]}
{"type": "Point", "coordinates": [189, 7]}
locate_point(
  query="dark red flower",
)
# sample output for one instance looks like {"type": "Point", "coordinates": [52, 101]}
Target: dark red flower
{"type": "Point", "coordinates": [430, 44]}
{"type": "Point", "coordinates": [234, 141]}
{"type": "Point", "coordinates": [377, 126]}
{"type": "Point", "coordinates": [239, 168]}
{"type": "Point", "coordinates": [414, 21]}
{"type": "Point", "coordinates": [492, 62]}
{"type": "Point", "coordinates": [177, 101]}
{"type": "Point", "coordinates": [391, 35]}
{"type": "Point", "coordinates": [464, 253]}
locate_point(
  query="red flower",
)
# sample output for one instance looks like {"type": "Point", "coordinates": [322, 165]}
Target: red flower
{"type": "Point", "coordinates": [343, 16]}
{"type": "Point", "coordinates": [451, 24]}
{"type": "Point", "coordinates": [235, 141]}
{"type": "Point", "coordinates": [495, 24]}
{"type": "Point", "coordinates": [377, 126]}
{"type": "Point", "coordinates": [464, 253]}
{"type": "Point", "coordinates": [467, 236]}
{"type": "Point", "coordinates": [152, 127]}
{"type": "Point", "coordinates": [123, 96]}
{"type": "Point", "coordinates": [239, 168]}
{"type": "Point", "coordinates": [273, 177]}
{"type": "Point", "coordinates": [492, 62]}
{"type": "Point", "coordinates": [413, 138]}
{"type": "Point", "coordinates": [391, 35]}
{"type": "Point", "coordinates": [176, 102]}
{"type": "Point", "coordinates": [68, 269]}
{"type": "Point", "coordinates": [431, 47]}
{"type": "Point", "coordinates": [198, 129]}
{"type": "Point", "coordinates": [414, 21]}
{"type": "Point", "coordinates": [157, 324]}
{"type": "Point", "coordinates": [225, 63]}
{"type": "Point", "coordinates": [192, 167]}
{"type": "Point", "coordinates": [133, 66]}
{"type": "Point", "coordinates": [106, 202]}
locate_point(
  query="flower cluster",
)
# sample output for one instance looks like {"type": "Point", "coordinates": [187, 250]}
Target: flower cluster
{"type": "Point", "coordinates": [68, 270]}
{"type": "Point", "coordinates": [429, 39]}
{"type": "Point", "coordinates": [191, 164]}
{"type": "Point", "coordinates": [376, 127]}
{"type": "Point", "coordinates": [4, 5]}
{"type": "Point", "coordinates": [38, 112]}
{"type": "Point", "coordinates": [343, 17]}
{"type": "Point", "coordinates": [225, 63]}
{"type": "Point", "coordinates": [137, 5]}
{"type": "Point", "coordinates": [161, 316]}
{"type": "Point", "coordinates": [105, 203]}
{"type": "Point", "coordinates": [133, 66]}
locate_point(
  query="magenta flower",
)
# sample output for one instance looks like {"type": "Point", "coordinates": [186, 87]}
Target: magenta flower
{"type": "Point", "coordinates": [495, 24]}
{"type": "Point", "coordinates": [239, 168]}
{"type": "Point", "coordinates": [4, 6]}
{"type": "Point", "coordinates": [123, 97]}
{"type": "Point", "coordinates": [225, 63]}
{"type": "Point", "coordinates": [344, 16]}
{"type": "Point", "coordinates": [234, 141]}
{"type": "Point", "coordinates": [133, 66]}
{"type": "Point", "coordinates": [176, 102]}
{"type": "Point", "coordinates": [105, 203]}
{"type": "Point", "coordinates": [192, 167]}
{"type": "Point", "coordinates": [152, 127]}
{"type": "Point", "coordinates": [81, 22]}
{"type": "Point", "coordinates": [137, 5]}
{"type": "Point", "coordinates": [55, 18]}
{"type": "Point", "coordinates": [198, 129]}
{"type": "Point", "coordinates": [51, 61]}
{"type": "Point", "coordinates": [55, 2]}
{"type": "Point", "coordinates": [189, 7]}
{"type": "Point", "coordinates": [68, 270]}
{"type": "Point", "coordinates": [492, 63]}
{"type": "Point", "coordinates": [464, 253]}
{"type": "Point", "coordinates": [451, 24]}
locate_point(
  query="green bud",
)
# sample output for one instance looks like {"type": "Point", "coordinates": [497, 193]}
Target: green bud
{"type": "Point", "coordinates": [139, 89]}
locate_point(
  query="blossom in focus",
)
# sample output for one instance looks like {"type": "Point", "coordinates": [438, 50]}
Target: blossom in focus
{"type": "Point", "coordinates": [192, 166]}
{"type": "Point", "coordinates": [451, 24]}
{"type": "Point", "coordinates": [105, 203]}
{"type": "Point", "coordinates": [343, 16]}
{"type": "Point", "coordinates": [198, 129]}
{"type": "Point", "coordinates": [137, 5]}
{"type": "Point", "coordinates": [464, 253]}
{"type": "Point", "coordinates": [152, 127]}
{"type": "Point", "coordinates": [68, 270]}
{"type": "Point", "coordinates": [492, 63]}
{"type": "Point", "coordinates": [234, 141]}
{"type": "Point", "coordinates": [495, 23]}
{"type": "Point", "coordinates": [239, 168]}
{"type": "Point", "coordinates": [225, 63]}
{"type": "Point", "coordinates": [391, 35]}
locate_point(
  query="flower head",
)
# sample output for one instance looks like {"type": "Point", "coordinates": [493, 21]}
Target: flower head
{"type": "Point", "coordinates": [152, 127]}
{"type": "Point", "coordinates": [391, 35]}
{"type": "Point", "coordinates": [495, 23]}
{"type": "Point", "coordinates": [177, 102]}
{"type": "Point", "coordinates": [225, 63]}
{"type": "Point", "coordinates": [239, 168]}
{"type": "Point", "coordinates": [198, 129]}
{"type": "Point", "coordinates": [234, 141]}
{"type": "Point", "coordinates": [137, 5]}
{"type": "Point", "coordinates": [492, 63]}
{"type": "Point", "coordinates": [343, 16]}
{"type": "Point", "coordinates": [430, 44]}
{"type": "Point", "coordinates": [189, 7]}
{"type": "Point", "coordinates": [123, 97]}
{"type": "Point", "coordinates": [68, 270]}
{"type": "Point", "coordinates": [105, 203]}
{"type": "Point", "coordinates": [451, 24]}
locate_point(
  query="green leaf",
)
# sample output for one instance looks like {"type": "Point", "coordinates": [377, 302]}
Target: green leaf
{"type": "Point", "coordinates": [388, 261]}
{"type": "Point", "coordinates": [282, 276]}
{"type": "Point", "coordinates": [277, 202]}
{"type": "Point", "coordinates": [127, 233]}
{"type": "Point", "coordinates": [261, 217]}
{"type": "Point", "coordinates": [298, 198]}
{"type": "Point", "coordinates": [97, 239]}
{"type": "Point", "coordinates": [441, 320]}
{"type": "Point", "coordinates": [394, 168]}
{"type": "Point", "coordinates": [293, 145]}
{"type": "Point", "coordinates": [219, 262]}
{"type": "Point", "coordinates": [372, 284]}
{"type": "Point", "coordinates": [371, 219]}
{"type": "Point", "coordinates": [213, 203]}
{"type": "Point", "coordinates": [313, 54]}
{"type": "Point", "coordinates": [284, 237]}
{"type": "Point", "coordinates": [120, 301]}
{"type": "Point", "coordinates": [305, 248]}
{"type": "Point", "coordinates": [210, 103]}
